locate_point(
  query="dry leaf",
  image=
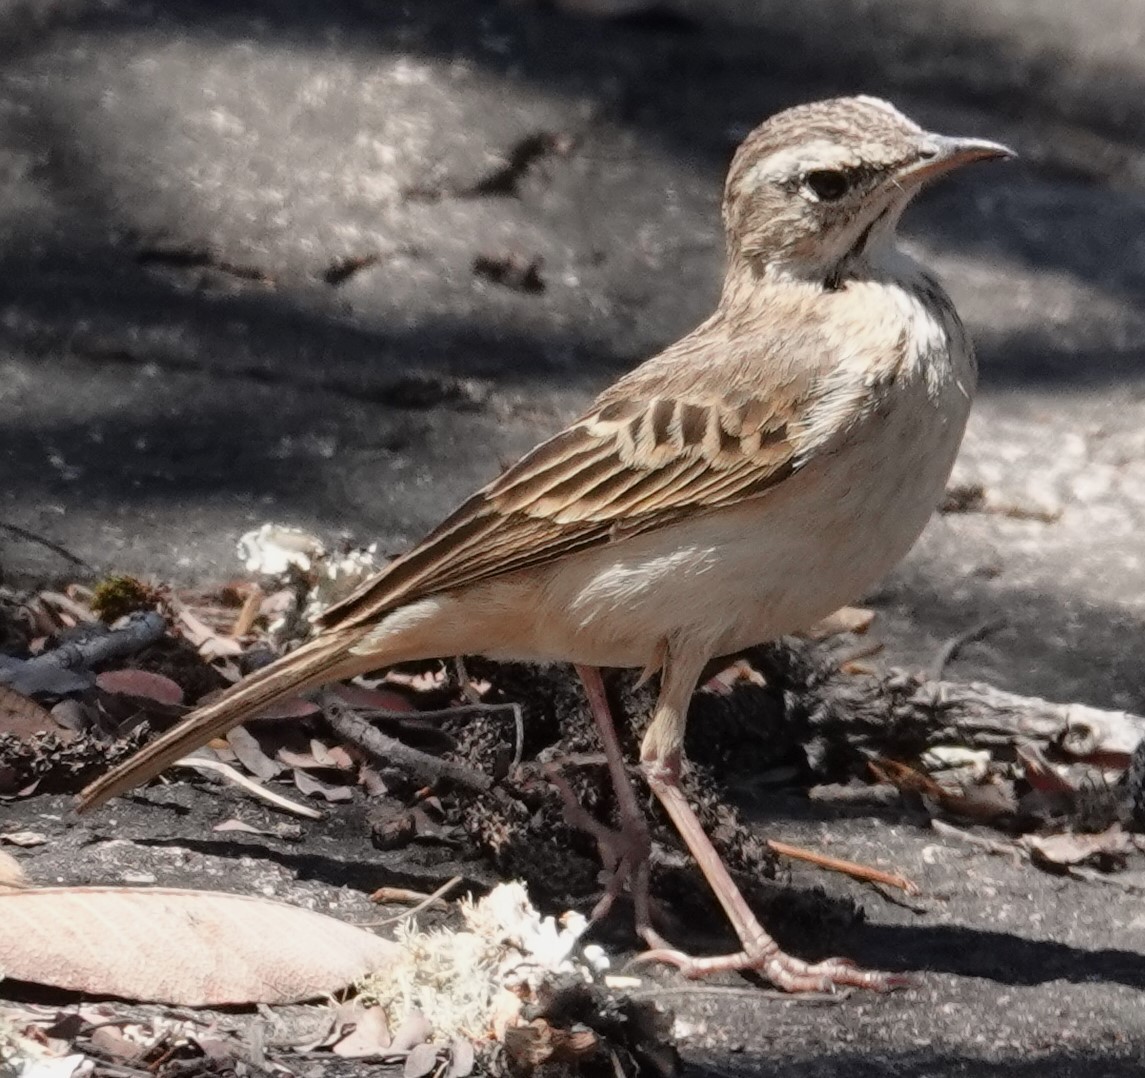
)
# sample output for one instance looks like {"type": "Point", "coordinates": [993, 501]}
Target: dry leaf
{"type": "Point", "coordinates": [21, 717]}
{"type": "Point", "coordinates": [12, 872]}
{"type": "Point", "coordinates": [370, 1035]}
{"type": "Point", "coordinates": [293, 707]}
{"type": "Point", "coordinates": [462, 1058]}
{"type": "Point", "coordinates": [312, 787]}
{"type": "Point", "coordinates": [363, 699]}
{"type": "Point", "coordinates": [211, 644]}
{"type": "Point", "coordinates": [1106, 850]}
{"type": "Point", "coordinates": [142, 684]}
{"type": "Point", "coordinates": [414, 1030]}
{"type": "Point", "coordinates": [24, 838]}
{"type": "Point", "coordinates": [847, 619]}
{"type": "Point", "coordinates": [421, 1060]}
{"type": "Point", "coordinates": [193, 948]}
{"type": "Point", "coordinates": [249, 753]}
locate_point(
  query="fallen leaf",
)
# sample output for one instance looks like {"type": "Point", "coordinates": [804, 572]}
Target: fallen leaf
{"type": "Point", "coordinates": [462, 1058]}
{"type": "Point", "coordinates": [12, 872]}
{"type": "Point", "coordinates": [246, 748]}
{"type": "Point", "coordinates": [142, 684]}
{"type": "Point", "coordinates": [421, 1060]}
{"type": "Point", "coordinates": [21, 717]}
{"type": "Point", "coordinates": [362, 698]}
{"type": "Point", "coordinates": [293, 707]}
{"type": "Point", "coordinates": [847, 619]}
{"type": "Point", "coordinates": [312, 787]}
{"type": "Point", "coordinates": [370, 1035]}
{"type": "Point", "coordinates": [1106, 850]}
{"type": "Point", "coordinates": [211, 644]}
{"type": "Point", "coordinates": [113, 1044]}
{"type": "Point", "coordinates": [192, 948]}
{"type": "Point", "coordinates": [24, 838]}
{"type": "Point", "coordinates": [414, 1030]}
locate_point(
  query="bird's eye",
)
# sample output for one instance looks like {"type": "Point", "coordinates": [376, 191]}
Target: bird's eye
{"type": "Point", "coordinates": [826, 184]}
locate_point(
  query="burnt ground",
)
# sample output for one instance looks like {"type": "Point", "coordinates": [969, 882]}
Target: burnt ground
{"type": "Point", "coordinates": [237, 250]}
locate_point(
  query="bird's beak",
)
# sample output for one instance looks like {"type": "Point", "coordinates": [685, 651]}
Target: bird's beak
{"type": "Point", "coordinates": [939, 154]}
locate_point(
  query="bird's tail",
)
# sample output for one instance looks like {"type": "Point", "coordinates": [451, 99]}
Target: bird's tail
{"type": "Point", "coordinates": [325, 658]}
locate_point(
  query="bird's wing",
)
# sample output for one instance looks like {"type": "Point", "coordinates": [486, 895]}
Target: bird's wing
{"type": "Point", "coordinates": [634, 462]}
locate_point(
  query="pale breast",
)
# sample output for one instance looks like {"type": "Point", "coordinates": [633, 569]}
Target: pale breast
{"type": "Point", "coordinates": [777, 563]}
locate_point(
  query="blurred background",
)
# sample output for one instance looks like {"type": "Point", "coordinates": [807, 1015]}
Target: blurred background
{"type": "Point", "coordinates": [334, 263]}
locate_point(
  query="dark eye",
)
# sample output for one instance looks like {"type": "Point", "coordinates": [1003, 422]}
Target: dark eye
{"type": "Point", "coordinates": [826, 184]}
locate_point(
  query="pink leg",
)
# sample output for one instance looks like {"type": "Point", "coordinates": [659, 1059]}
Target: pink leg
{"type": "Point", "coordinates": [661, 757]}
{"type": "Point", "coordinates": [626, 851]}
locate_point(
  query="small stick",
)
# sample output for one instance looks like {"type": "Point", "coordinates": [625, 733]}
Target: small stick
{"type": "Point", "coordinates": [435, 899]}
{"type": "Point", "coordinates": [849, 868]}
{"type": "Point", "coordinates": [988, 844]}
{"type": "Point", "coordinates": [69, 606]}
{"type": "Point", "coordinates": [421, 766]}
{"type": "Point", "coordinates": [949, 651]}
{"type": "Point", "coordinates": [140, 631]}
{"type": "Point", "coordinates": [201, 763]}
{"type": "Point", "coordinates": [55, 548]}
{"type": "Point", "coordinates": [249, 612]}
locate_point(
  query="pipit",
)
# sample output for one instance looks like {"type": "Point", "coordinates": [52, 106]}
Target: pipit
{"type": "Point", "coordinates": [747, 481]}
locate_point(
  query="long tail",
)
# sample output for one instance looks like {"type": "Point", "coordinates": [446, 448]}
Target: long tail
{"type": "Point", "coordinates": [325, 658]}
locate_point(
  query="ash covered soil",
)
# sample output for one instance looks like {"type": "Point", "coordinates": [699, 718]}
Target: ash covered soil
{"type": "Point", "coordinates": [332, 263]}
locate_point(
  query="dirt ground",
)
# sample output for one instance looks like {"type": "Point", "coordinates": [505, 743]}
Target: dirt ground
{"type": "Point", "coordinates": [237, 284]}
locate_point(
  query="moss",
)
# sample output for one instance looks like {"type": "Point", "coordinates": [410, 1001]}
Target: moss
{"type": "Point", "coordinates": [115, 596]}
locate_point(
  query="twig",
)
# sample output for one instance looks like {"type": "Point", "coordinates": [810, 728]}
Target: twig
{"type": "Point", "coordinates": [949, 651]}
{"type": "Point", "coordinates": [848, 868]}
{"type": "Point", "coordinates": [464, 681]}
{"type": "Point", "coordinates": [424, 904]}
{"type": "Point", "coordinates": [68, 605]}
{"type": "Point", "coordinates": [202, 763]}
{"type": "Point", "coordinates": [249, 612]}
{"type": "Point", "coordinates": [421, 766]}
{"type": "Point", "coordinates": [28, 675]}
{"type": "Point", "coordinates": [990, 845]}
{"type": "Point", "coordinates": [55, 548]}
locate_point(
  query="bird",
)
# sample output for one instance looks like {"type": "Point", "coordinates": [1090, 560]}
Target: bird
{"type": "Point", "coordinates": [751, 478]}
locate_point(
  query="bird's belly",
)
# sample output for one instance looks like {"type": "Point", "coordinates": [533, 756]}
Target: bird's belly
{"type": "Point", "coordinates": [740, 576]}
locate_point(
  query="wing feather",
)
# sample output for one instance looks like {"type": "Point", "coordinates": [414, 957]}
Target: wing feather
{"type": "Point", "coordinates": [617, 471]}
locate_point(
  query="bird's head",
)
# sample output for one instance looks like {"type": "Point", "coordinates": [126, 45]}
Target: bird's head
{"type": "Point", "coordinates": [819, 187]}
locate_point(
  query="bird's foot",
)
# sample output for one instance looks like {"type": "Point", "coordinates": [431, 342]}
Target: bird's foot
{"type": "Point", "coordinates": [783, 970]}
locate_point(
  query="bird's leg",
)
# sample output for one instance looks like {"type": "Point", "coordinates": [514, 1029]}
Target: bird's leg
{"type": "Point", "coordinates": [625, 851]}
{"type": "Point", "coordinates": [661, 756]}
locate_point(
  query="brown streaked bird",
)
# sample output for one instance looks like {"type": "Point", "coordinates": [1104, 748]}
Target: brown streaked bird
{"type": "Point", "coordinates": [747, 481]}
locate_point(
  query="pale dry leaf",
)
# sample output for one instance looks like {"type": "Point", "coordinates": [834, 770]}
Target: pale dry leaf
{"type": "Point", "coordinates": [12, 873]}
{"type": "Point", "coordinates": [1108, 848]}
{"type": "Point", "coordinates": [462, 1058]}
{"type": "Point", "coordinates": [26, 839]}
{"type": "Point", "coordinates": [193, 948]}
{"type": "Point", "coordinates": [241, 826]}
{"type": "Point", "coordinates": [369, 1037]}
{"type": "Point", "coordinates": [414, 1030]}
{"type": "Point", "coordinates": [421, 1060]}
{"type": "Point", "coordinates": [211, 644]}
{"type": "Point", "coordinates": [847, 619]}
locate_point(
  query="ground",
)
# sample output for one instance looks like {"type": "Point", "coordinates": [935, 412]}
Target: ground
{"type": "Point", "coordinates": [238, 247]}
